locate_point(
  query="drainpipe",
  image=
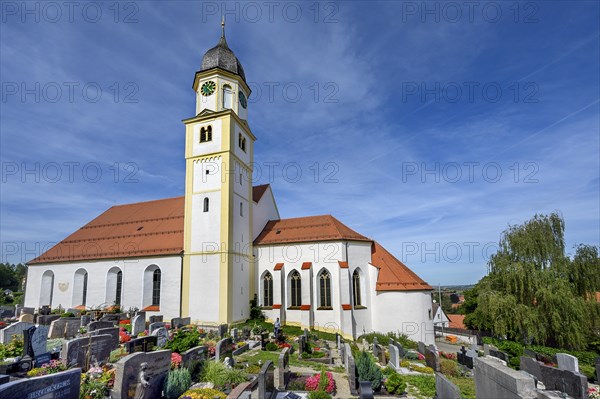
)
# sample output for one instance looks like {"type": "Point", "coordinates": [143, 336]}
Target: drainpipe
{"type": "Point", "coordinates": [181, 287]}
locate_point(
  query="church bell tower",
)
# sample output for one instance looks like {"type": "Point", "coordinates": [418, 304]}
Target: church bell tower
{"type": "Point", "coordinates": [217, 281]}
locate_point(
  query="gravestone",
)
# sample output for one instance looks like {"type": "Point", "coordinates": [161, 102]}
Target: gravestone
{"type": "Point", "coordinates": [301, 345]}
{"type": "Point", "coordinates": [162, 336]}
{"type": "Point", "coordinates": [3, 377]}
{"type": "Point", "coordinates": [463, 359]}
{"type": "Point", "coordinates": [223, 328]}
{"type": "Point", "coordinates": [186, 321]}
{"type": "Point", "coordinates": [27, 344]}
{"type": "Point", "coordinates": [85, 320]}
{"type": "Point", "coordinates": [366, 390]}
{"type": "Point", "coordinates": [499, 354]}
{"type": "Point", "coordinates": [96, 325]}
{"type": "Point", "coordinates": [223, 349]}
{"type": "Point", "coordinates": [432, 359]}
{"type": "Point", "coordinates": [127, 373]}
{"type": "Point", "coordinates": [263, 340]}
{"type": "Point", "coordinates": [138, 324]}
{"type": "Point", "coordinates": [63, 385]}
{"type": "Point", "coordinates": [493, 379]}
{"type": "Point", "coordinates": [306, 334]}
{"type": "Point", "coordinates": [283, 368]}
{"type": "Point", "coordinates": [235, 334]}
{"type": "Point", "coordinates": [573, 384]}
{"type": "Point", "coordinates": [155, 325]}
{"type": "Point", "coordinates": [155, 319]}
{"type": "Point", "coordinates": [445, 389]}
{"type": "Point", "coordinates": [26, 318]}
{"type": "Point", "coordinates": [113, 332]}
{"type": "Point", "coordinates": [64, 327]}
{"type": "Point", "coordinates": [17, 311]}
{"type": "Point", "coordinates": [394, 357]}
{"type": "Point", "coordinates": [343, 353]}
{"type": "Point", "coordinates": [338, 341]}
{"type": "Point", "coordinates": [266, 381]}
{"type": "Point", "coordinates": [113, 318]}
{"type": "Point", "coordinates": [421, 348]}
{"type": "Point", "coordinates": [246, 333]}
{"type": "Point", "coordinates": [567, 362]}
{"type": "Point", "coordinates": [199, 353]}
{"type": "Point", "coordinates": [7, 333]}
{"type": "Point", "coordinates": [139, 313]}
{"type": "Point", "coordinates": [75, 351]}
{"type": "Point", "coordinates": [44, 310]}
{"type": "Point", "coordinates": [376, 348]}
{"type": "Point", "coordinates": [39, 340]}
{"type": "Point", "coordinates": [141, 344]}
{"type": "Point", "coordinates": [531, 366]}
{"type": "Point", "coordinates": [177, 322]}
{"type": "Point", "coordinates": [400, 348]}
{"type": "Point", "coordinates": [352, 374]}
{"type": "Point", "coordinates": [47, 319]}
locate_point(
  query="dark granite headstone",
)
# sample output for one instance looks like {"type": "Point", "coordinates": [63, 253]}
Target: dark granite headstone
{"type": "Point", "coordinates": [573, 384]}
{"type": "Point", "coordinates": [463, 359]}
{"type": "Point", "coordinates": [155, 319]}
{"type": "Point", "coordinates": [366, 390]}
{"type": "Point", "coordinates": [113, 318]}
{"type": "Point", "coordinates": [63, 385]}
{"type": "Point", "coordinates": [499, 354]}
{"type": "Point", "coordinates": [352, 375]}
{"type": "Point", "coordinates": [96, 325]}
{"type": "Point", "coordinates": [162, 336]}
{"type": "Point", "coordinates": [421, 348]}
{"type": "Point", "coordinates": [75, 351]}
{"type": "Point", "coordinates": [263, 340]}
{"type": "Point", "coordinates": [27, 344]}
{"type": "Point", "coordinates": [529, 353]}
{"type": "Point", "coordinates": [4, 379]}
{"type": "Point", "coordinates": [186, 321]}
{"type": "Point", "coordinates": [113, 332]}
{"type": "Point", "coordinates": [47, 319]}
{"type": "Point", "coordinates": [223, 328]}
{"type": "Point", "coordinates": [141, 344]}
{"type": "Point", "coordinates": [154, 326]}
{"type": "Point", "coordinates": [44, 310]}
{"type": "Point", "coordinates": [177, 322]}
{"type": "Point", "coordinates": [85, 320]}
{"type": "Point", "coordinates": [432, 359]}
{"type": "Point", "coordinates": [190, 356]}
{"type": "Point", "coordinates": [127, 373]}
{"type": "Point", "coordinates": [266, 381]}
{"type": "Point", "coordinates": [223, 349]}
{"type": "Point", "coordinates": [531, 366]}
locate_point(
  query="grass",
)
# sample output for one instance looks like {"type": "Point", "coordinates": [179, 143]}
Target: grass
{"type": "Point", "coordinates": [254, 356]}
{"type": "Point", "coordinates": [466, 386]}
{"type": "Point", "coordinates": [421, 386]}
{"type": "Point", "coordinates": [287, 330]}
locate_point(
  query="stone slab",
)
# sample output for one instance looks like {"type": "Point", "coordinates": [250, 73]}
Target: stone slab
{"type": "Point", "coordinates": [128, 369]}
{"type": "Point", "coordinates": [63, 385]}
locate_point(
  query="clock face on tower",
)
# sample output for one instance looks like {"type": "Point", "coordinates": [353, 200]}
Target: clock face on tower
{"type": "Point", "coordinates": [243, 99]}
{"type": "Point", "coordinates": [208, 88]}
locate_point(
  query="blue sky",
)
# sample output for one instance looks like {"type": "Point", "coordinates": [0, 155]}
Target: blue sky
{"type": "Point", "coordinates": [432, 125]}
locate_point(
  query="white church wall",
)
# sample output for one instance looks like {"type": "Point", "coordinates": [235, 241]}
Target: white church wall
{"type": "Point", "coordinates": [359, 257]}
{"type": "Point", "coordinates": [262, 212]}
{"type": "Point", "coordinates": [244, 155]}
{"type": "Point", "coordinates": [208, 174]}
{"type": "Point", "coordinates": [405, 312]}
{"type": "Point", "coordinates": [241, 174]}
{"type": "Point", "coordinates": [205, 102]}
{"type": "Point", "coordinates": [205, 285]}
{"type": "Point", "coordinates": [208, 147]}
{"type": "Point", "coordinates": [132, 294]}
{"type": "Point", "coordinates": [205, 237]}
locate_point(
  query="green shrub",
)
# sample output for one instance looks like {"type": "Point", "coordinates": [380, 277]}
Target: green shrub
{"type": "Point", "coordinates": [183, 340]}
{"type": "Point", "coordinates": [221, 376]}
{"type": "Point", "coordinates": [368, 370]}
{"type": "Point", "coordinates": [395, 384]}
{"type": "Point", "coordinates": [271, 347]}
{"type": "Point", "coordinates": [195, 369]}
{"type": "Point", "coordinates": [389, 371]}
{"type": "Point", "coordinates": [588, 371]}
{"type": "Point", "coordinates": [449, 368]}
{"type": "Point", "coordinates": [318, 395]}
{"type": "Point", "coordinates": [68, 314]}
{"type": "Point", "coordinates": [177, 382]}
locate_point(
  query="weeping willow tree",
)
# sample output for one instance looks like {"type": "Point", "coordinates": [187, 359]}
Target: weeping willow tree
{"type": "Point", "coordinates": [534, 292]}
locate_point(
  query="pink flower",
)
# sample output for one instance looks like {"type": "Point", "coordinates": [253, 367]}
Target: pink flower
{"type": "Point", "coordinates": [176, 360]}
{"type": "Point", "coordinates": [312, 383]}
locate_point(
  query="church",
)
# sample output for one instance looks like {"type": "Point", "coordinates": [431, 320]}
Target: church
{"type": "Point", "coordinates": [207, 254]}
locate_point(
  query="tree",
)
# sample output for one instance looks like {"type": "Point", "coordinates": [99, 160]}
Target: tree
{"type": "Point", "coordinates": [534, 292]}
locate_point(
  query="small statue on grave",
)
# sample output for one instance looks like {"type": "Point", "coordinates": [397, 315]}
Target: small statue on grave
{"type": "Point", "coordinates": [144, 382]}
{"type": "Point", "coordinates": [228, 362]}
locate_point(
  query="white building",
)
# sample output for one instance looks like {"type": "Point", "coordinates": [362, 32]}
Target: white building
{"type": "Point", "coordinates": [208, 253]}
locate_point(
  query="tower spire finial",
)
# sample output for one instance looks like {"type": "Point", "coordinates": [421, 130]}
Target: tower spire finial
{"type": "Point", "coordinates": [223, 25]}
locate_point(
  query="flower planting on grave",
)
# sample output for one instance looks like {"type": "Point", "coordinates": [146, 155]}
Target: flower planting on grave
{"type": "Point", "coordinates": [175, 360]}
{"type": "Point", "coordinates": [323, 381]}
{"type": "Point", "coordinates": [54, 366]}
{"type": "Point", "coordinates": [203, 393]}
{"type": "Point", "coordinates": [97, 382]}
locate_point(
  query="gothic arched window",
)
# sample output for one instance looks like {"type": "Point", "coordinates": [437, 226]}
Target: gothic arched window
{"type": "Point", "coordinates": [324, 289]}
{"type": "Point", "coordinates": [268, 289]}
{"type": "Point", "coordinates": [295, 289]}
{"type": "Point", "coordinates": [356, 288]}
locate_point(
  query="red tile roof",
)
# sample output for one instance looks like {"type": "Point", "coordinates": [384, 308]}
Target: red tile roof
{"type": "Point", "coordinates": [141, 229]}
{"type": "Point", "coordinates": [258, 191]}
{"type": "Point", "coordinates": [278, 266]}
{"type": "Point", "coordinates": [393, 274]}
{"type": "Point", "coordinates": [306, 265]}
{"type": "Point", "coordinates": [343, 265]}
{"type": "Point", "coordinates": [149, 228]}
{"type": "Point", "coordinates": [307, 229]}
{"type": "Point", "coordinates": [456, 321]}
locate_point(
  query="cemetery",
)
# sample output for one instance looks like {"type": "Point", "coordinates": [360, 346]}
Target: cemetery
{"type": "Point", "coordinates": [120, 355]}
